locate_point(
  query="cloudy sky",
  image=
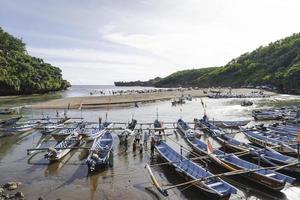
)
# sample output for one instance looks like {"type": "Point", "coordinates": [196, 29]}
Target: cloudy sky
{"type": "Point", "coordinates": [101, 41]}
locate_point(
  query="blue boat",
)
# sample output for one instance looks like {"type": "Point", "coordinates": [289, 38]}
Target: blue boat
{"type": "Point", "coordinates": [90, 133]}
{"type": "Point", "coordinates": [265, 139]}
{"type": "Point", "coordinates": [184, 128]}
{"type": "Point", "coordinates": [285, 129]}
{"type": "Point", "coordinates": [65, 132]}
{"type": "Point", "coordinates": [100, 152]}
{"type": "Point", "coordinates": [265, 177]}
{"type": "Point", "coordinates": [266, 155]}
{"type": "Point", "coordinates": [209, 126]}
{"type": "Point", "coordinates": [214, 187]}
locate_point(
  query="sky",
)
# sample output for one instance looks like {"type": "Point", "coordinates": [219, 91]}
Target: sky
{"type": "Point", "coordinates": [101, 41]}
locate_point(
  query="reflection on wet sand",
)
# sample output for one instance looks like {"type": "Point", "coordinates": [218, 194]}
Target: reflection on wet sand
{"type": "Point", "coordinates": [84, 153]}
{"type": "Point", "coordinates": [94, 182]}
{"type": "Point", "coordinates": [7, 143]}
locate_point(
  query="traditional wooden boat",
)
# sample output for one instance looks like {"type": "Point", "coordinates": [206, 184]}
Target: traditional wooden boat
{"type": "Point", "coordinates": [285, 129]}
{"type": "Point", "coordinates": [266, 155]}
{"type": "Point", "coordinates": [25, 127]}
{"type": "Point", "coordinates": [90, 134]}
{"type": "Point", "coordinates": [287, 139]}
{"type": "Point", "coordinates": [230, 124]}
{"type": "Point", "coordinates": [9, 121]}
{"type": "Point", "coordinates": [214, 187]}
{"type": "Point", "coordinates": [48, 126]}
{"type": "Point", "coordinates": [159, 130]}
{"type": "Point", "coordinates": [180, 101]}
{"type": "Point", "coordinates": [209, 127]}
{"type": "Point", "coordinates": [265, 177]}
{"type": "Point", "coordinates": [262, 139]}
{"type": "Point", "coordinates": [63, 148]}
{"type": "Point", "coordinates": [266, 115]}
{"type": "Point", "coordinates": [185, 129]}
{"type": "Point", "coordinates": [100, 152]}
{"type": "Point", "coordinates": [246, 103]}
{"type": "Point", "coordinates": [129, 131]}
{"type": "Point", "coordinates": [65, 132]}
{"type": "Point", "coordinates": [8, 111]}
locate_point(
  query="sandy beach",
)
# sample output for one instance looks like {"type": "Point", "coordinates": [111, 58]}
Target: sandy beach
{"type": "Point", "coordinates": [127, 99]}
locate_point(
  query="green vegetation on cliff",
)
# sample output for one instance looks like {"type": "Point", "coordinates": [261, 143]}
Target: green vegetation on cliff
{"type": "Point", "coordinates": [277, 64]}
{"type": "Point", "coordinates": [21, 73]}
{"type": "Point", "coordinates": [184, 78]}
{"type": "Point", "coordinates": [148, 83]}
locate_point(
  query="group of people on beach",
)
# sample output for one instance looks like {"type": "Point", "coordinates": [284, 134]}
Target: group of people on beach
{"type": "Point", "coordinates": [137, 143]}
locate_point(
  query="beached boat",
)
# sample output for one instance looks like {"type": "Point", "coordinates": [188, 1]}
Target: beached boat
{"type": "Point", "coordinates": [129, 131]}
{"type": "Point", "coordinates": [265, 177]}
{"type": "Point", "coordinates": [9, 121]}
{"type": "Point", "coordinates": [157, 124]}
{"type": "Point", "coordinates": [267, 115]}
{"type": "Point", "coordinates": [50, 128]}
{"type": "Point", "coordinates": [47, 126]}
{"type": "Point", "coordinates": [246, 103]}
{"type": "Point", "coordinates": [265, 155]}
{"type": "Point", "coordinates": [230, 124]}
{"type": "Point", "coordinates": [184, 128]}
{"type": "Point", "coordinates": [180, 101]}
{"type": "Point", "coordinates": [25, 127]}
{"type": "Point", "coordinates": [214, 187]}
{"type": "Point", "coordinates": [209, 127]}
{"type": "Point", "coordinates": [63, 148]}
{"type": "Point", "coordinates": [89, 134]}
{"type": "Point", "coordinates": [281, 129]}
{"type": "Point", "coordinates": [65, 132]}
{"type": "Point", "coordinates": [7, 111]}
{"type": "Point", "coordinates": [100, 152]}
{"type": "Point", "coordinates": [265, 140]}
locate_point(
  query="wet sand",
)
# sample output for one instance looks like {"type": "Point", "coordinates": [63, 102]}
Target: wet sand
{"type": "Point", "coordinates": [127, 179]}
{"type": "Point", "coordinates": [127, 99]}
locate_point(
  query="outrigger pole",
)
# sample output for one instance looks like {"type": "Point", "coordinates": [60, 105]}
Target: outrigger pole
{"type": "Point", "coordinates": [45, 149]}
{"type": "Point", "coordinates": [155, 183]}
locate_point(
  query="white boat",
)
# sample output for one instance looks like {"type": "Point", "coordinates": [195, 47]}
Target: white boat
{"type": "Point", "coordinates": [129, 131]}
{"type": "Point", "coordinates": [90, 134]}
{"type": "Point", "coordinates": [63, 147]}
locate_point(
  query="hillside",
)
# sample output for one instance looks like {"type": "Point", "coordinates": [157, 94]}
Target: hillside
{"type": "Point", "coordinates": [184, 78]}
{"type": "Point", "coordinates": [148, 83]}
{"type": "Point", "coordinates": [277, 64]}
{"type": "Point", "coordinates": [21, 73]}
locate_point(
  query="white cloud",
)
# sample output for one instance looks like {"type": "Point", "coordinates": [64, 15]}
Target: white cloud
{"type": "Point", "coordinates": [135, 39]}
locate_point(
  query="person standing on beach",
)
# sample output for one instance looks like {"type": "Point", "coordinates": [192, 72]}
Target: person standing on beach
{"type": "Point", "coordinates": [141, 148]}
{"type": "Point", "coordinates": [138, 137]}
{"type": "Point", "coordinates": [152, 145]}
{"type": "Point", "coordinates": [134, 146]}
{"type": "Point", "coordinates": [100, 122]}
{"type": "Point", "coordinates": [146, 137]}
{"type": "Point", "coordinates": [126, 142]}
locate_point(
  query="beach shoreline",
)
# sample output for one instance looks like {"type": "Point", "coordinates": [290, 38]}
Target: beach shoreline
{"type": "Point", "coordinates": [125, 100]}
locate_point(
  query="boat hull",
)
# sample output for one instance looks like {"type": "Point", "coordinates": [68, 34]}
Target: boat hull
{"type": "Point", "coordinates": [205, 190]}
{"type": "Point", "coordinates": [276, 147]}
{"type": "Point", "coordinates": [255, 177]}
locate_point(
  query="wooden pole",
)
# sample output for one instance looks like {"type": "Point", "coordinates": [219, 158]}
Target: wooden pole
{"type": "Point", "coordinates": [181, 152]}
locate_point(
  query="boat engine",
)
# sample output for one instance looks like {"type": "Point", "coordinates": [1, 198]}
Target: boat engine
{"type": "Point", "coordinates": [51, 152]}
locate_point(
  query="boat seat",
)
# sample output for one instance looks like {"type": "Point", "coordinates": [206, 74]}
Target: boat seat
{"type": "Point", "coordinates": [215, 184]}
{"type": "Point", "coordinates": [106, 139]}
{"type": "Point", "coordinates": [270, 175]}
